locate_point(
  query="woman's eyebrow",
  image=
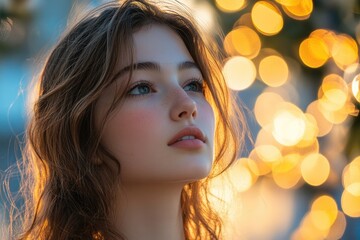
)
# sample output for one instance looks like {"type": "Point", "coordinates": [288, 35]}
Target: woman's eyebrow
{"type": "Point", "coordinates": [154, 66]}
{"type": "Point", "coordinates": [187, 65]}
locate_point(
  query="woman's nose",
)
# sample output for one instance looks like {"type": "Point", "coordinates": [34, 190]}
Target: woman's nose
{"type": "Point", "coordinates": [183, 106]}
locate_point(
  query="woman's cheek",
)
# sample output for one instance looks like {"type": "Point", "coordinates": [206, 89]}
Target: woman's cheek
{"type": "Point", "coordinates": [209, 115]}
{"type": "Point", "coordinates": [132, 129]}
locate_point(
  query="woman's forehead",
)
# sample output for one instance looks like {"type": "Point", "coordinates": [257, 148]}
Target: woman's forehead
{"type": "Point", "coordinates": [158, 43]}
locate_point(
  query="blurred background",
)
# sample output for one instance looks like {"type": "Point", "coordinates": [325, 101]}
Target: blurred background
{"type": "Point", "coordinates": [295, 66]}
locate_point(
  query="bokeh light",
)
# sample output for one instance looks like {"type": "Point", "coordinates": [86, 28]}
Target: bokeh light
{"type": "Point", "coordinates": [268, 153]}
{"type": "Point", "coordinates": [351, 177]}
{"type": "Point", "coordinates": [286, 172]}
{"type": "Point", "coordinates": [328, 36]}
{"type": "Point", "coordinates": [265, 137]}
{"type": "Point", "coordinates": [299, 11]}
{"type": "Point", "coordinates": [288, 124]}
{"type": "Point", "coordinates": [242, 41]}
{"type": "Point", "coordinates": [301, 149]}
{"type": "Point", "coordinates": [338, 228]}
{"type": "Point", "coordinates": [257, 166]}
{"type": "Point", "coordinates": [336, 117]}
{"type": "Point", "coordinates": [306, 136]}
{"type": "Point", "coordinates": [350, 204]}
{"type": "Point", "coordinates": [239, 73]}
{"type": "Point", "coordinates": [324, 212]}
{"type": "Point", "coordinates": [355, 87]}
{"type": "Point", "coordinates": [292, 146]}
{"type": "Point", "coordinates": [323, 221]}
{"type": "Point", "coordinates": [264, 107]}
{"type": "Point", "coordinates": [230, 5]}
{"type": "Point", "coordinates": [315, 169]}
{"type": "Point", "coordinates": [244, 20]}
{"type": "Point", "coordinates": [288, 2]}
{"type": "Point", "coordinates": [267, 18]}
{"type": "Point", "coordinates": [333, 93]}
{"type": "Point", "coordinates": [241, 175]}
{"type": "Point", "coordinates": [324, 125]}
{"type": "Point", "coordinates": [273, 70]}
{"type": "Point", "coordinates": [314, 52]}
{"type": "Point", "coordinates": [344, 51]}
{"type": "Point", "coordinates": [308, 230]}
{"type": "Point", "coordinates": [311, 131]}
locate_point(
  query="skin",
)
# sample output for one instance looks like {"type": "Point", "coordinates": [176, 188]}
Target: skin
{"type": "Point", "coordinates": [138, 132]}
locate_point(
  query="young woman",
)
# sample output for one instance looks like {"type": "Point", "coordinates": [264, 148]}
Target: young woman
{"type": "Point", "coordinates": [131, 122]}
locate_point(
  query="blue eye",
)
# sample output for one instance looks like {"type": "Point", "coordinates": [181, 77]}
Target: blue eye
{"type": "Point", "coordinates": [140, 89]}
{"type": "Point", "coordinates": [195, 85]}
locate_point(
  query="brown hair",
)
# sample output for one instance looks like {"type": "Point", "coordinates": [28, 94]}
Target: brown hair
{"type": "Point", "coordinates": [67, 187]}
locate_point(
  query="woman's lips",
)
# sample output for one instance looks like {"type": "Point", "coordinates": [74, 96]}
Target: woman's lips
{"type": "Point", "coordinates": [188, 138]}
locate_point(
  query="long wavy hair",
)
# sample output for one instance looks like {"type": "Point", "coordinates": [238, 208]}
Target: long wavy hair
{"type": "Point", "coordinates": [67, 175]}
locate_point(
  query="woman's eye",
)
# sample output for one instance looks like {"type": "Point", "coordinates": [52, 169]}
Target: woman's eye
{"type": "Point", "coordinates": [140, 89]}
{"type": "Point", "coordinates": [195, 86]}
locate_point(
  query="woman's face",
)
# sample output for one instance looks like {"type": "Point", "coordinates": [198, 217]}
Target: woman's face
{"type": "Point", "coordinates": [164, 130]}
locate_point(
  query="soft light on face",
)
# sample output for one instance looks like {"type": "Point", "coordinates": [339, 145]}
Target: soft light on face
{"type": "Point", "coordinates": [164, 99]}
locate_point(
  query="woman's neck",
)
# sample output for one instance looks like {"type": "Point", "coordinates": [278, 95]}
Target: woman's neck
{"type": "Point", "coordinates": [145, 211]}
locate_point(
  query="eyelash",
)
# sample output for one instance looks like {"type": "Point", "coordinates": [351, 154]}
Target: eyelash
{"type": "Point", "coordinates": [140, 84]}
{"type": "Point", "coordinates": [198, 81]}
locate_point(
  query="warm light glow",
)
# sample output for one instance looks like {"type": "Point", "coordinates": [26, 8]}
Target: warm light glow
{"type": "Point", "coordinates": [301, 11]}
{"type": "Point", "coordinates": [205, 15]}
{"type": "Point", "coordinates": [230, 5]}
{"type": "Point", "coordinates": [274, 71]}
{"type": "Point", "coordinates": [302, 150]}
{"type": "Point", "coordinates": [324, 212]}
{"type": "Point", "coordinates": [354, 188]}
{"type": "Point", "coordinates": [350, 204]}
{"type": "Point", "coordinates": [323, 221]}
{"type": "Point", "coordinates": [344, 51]}
{"type": "Point", "coordinates": [323, 124]}
{"type": "Point", "coordinates": [267, 18]}
{"type": "Point", "coordinates": [314, 52]}
{"type": "Point", "coordinates": [288, 124]}
{"type": "Point", "coordinates": [239, 73]}
{"type": "Point", "coordinates": [241, 176]}
{"type": "Point", "coordinates": [308, 230]}
{"type": "Point", "coordinates": [311, 131]}
{"type": "Point", "coordinates": [286, 173]}
{"type": "Point", "coordinates": [355, 87]}
{"type": "Point", "coordinates": [336, 117]}
{"type": "Point", "coordinates": [265, 138]}
{"type": "Point", "coordinates": [268, 153]}
{"type": "Point", "coordinates": [244, 20]}
{"type": "Point", "coordinates": [287, 91]}
{"type": "Point", "coordinates": [265, 206]}
{"type": "Point", "coordinates": [288, 2]}
{"type": "Point", "coordinates": [338, 228]}
{"type": "Point", "coordinates": [351, 177]}
{"type": "Point", "coordinates": [333, 101]}
{"type": "Point", "coordinates": [333, 93]}
{"type": "Point", "coordinates": [351, 72]}
{"type": "Point", "coordinates": [221, 191]}
{"type": "Point", "coordinates": [242, 41]}
{"type": "Point", "coordinates": [264, 107]}
{"type": "Point", "coordinates": [297, 170]}
{"type": "Point", "coordinates": [315, 169]}
{"type": "Point", "coordinates": [328, 36]}
{"type": "Point", "coordinates": [256, 165]}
